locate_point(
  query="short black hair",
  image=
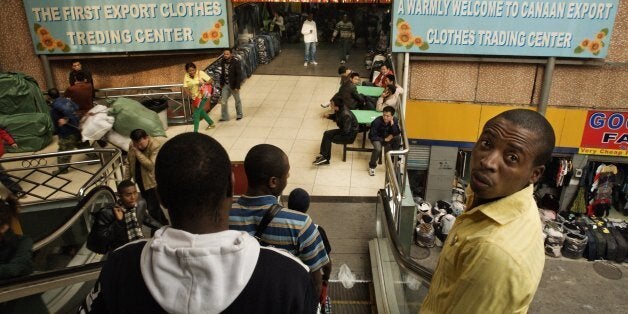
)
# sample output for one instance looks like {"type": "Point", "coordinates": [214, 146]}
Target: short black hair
{"type": "Point", "coordinates": [391, 88]}
{"type": "Point", "coordinates": [190, 65]}
{"type": "Point", "coordinates": [137, 135]}
{"type": "Point", "coordinates": [193, 174]}
{"type": "Point", "coordinates": [390, 109]}
{"type": "Point", "coordinates": [264, 161]}
{"type": "Point", "coordinates": [338, 101]}
{"type": "Point", "coordinates": [342, 69]}
{"type": "Point", "coordinates": [538, 124]}
{"type": "Point", "coordinates": [391, 77]}
{"type": "Point", "coordinates": [53, 93]}
{"type": "Point", "coordinates": [76, 61]}
{"type": "Point", "coordinates": [124, 184]}
{"type": "Point", "coordinates": [353, 74]}
{"type": "Point", "coordinates": [299, 200]}
{"type": "Point", "coordinates": [228, 49]}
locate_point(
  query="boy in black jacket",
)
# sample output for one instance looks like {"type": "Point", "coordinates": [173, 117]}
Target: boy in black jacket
{"type": "Point", "coordinates": [344, 134]}
{"type": "Point", "coordinates": [385, 132]}
{"type": "Point", "coordinates": [121, 223]}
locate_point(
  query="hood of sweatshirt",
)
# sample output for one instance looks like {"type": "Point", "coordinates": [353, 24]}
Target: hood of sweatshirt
{"type": "Point", "coordinates": [198, 273]}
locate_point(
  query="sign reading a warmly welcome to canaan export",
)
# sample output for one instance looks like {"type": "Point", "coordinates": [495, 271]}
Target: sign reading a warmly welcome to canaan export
{"type": "Point", "coordinates": [577, 28]}
{"type": "Point", "coordinates": [95, 26]}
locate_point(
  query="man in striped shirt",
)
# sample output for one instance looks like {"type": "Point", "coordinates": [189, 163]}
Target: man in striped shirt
{"type": "Point", "coordinates": [267, 169]}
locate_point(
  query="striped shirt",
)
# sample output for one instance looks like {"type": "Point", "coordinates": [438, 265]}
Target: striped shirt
{"type": "Point", "coordinates": [492, 260]}
{"type": "Point", "coordinates": [290, 230]}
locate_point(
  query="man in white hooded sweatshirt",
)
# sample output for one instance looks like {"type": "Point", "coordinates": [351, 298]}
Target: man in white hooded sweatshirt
{"type": "Point", "coordinates": [310, 38]}
{"type": "Point", "coordinates": [197, 265]}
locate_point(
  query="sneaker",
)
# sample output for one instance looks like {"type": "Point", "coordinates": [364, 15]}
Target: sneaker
{"type": "Point", "coordinates": [222, 120]}
{"type": "Point", "coordinates": [319, 156]}
{"type": "Point", "coordinates": [305, 63]}
{"type": "Point", "coordinates": [239, 118]}
{"type": "Point", "coordinates": [210, 126]}
{"type": "Point", "coordinates": [314, 62]}
{"type": "Point", "coordinates": [371, 172]}
{"type": "Point", "coordinates": [321, 161]}
{"type": "Point", "coordinates": [342, 61]}
{"type": "Point", "coordinates": [347, 57]}
{"type": "Point", "coordinates": [325, 105]}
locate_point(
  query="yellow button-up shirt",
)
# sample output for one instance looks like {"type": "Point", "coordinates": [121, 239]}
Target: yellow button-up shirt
{"type": "Point", "coordinates": [492, 260]}
{"type": "Point", "coordinates": [193, 84]}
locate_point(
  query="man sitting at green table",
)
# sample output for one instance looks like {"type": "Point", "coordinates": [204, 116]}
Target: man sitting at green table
{"type": "Point", "coordinates": [344, 134]}
{"type": "Point", "coordinates": [385, 132]}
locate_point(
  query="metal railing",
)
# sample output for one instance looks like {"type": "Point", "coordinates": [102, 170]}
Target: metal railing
{"type": "Point", "coordinates": [178, 101]}
{"type": "Point", "coordinates": [47, 189]}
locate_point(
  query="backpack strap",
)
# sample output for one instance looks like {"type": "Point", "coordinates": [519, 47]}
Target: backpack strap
{"type": "Point", "coordinates": [268, 217]}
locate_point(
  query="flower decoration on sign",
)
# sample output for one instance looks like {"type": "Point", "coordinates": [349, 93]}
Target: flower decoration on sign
{"type": "Point", "coordinates": [593, 45]}
{"type": "Point", "coordinates": [213, 34]}
{"type": "Point", "coordinates": [47, 42]}
{"type": "Point", "coordinates": [406, 39]}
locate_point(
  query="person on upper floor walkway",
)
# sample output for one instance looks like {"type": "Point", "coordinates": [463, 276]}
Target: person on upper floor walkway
{"type": "Point", "coordinates": [198, 265]}
{"type": "Point", "coordinates": [81, 93]}
{"type": "Point", "coordinates": [267, 170]}
{"type": "Point", "coordinates": [345, 30]}
{"type": "Point", "coordinates": [310, 38]}
{"type": "Point", "coordinates": [230, 81]}
{"type": "Point", "coordinates": [493, 258]}
{"type": "Point", "coordinates": [197, 85]}
{"type": "Point", "coordinates": [78, 67]}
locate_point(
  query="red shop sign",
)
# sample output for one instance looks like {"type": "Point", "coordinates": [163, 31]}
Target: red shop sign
{"type": "Point", "coordinates": [605, 133]}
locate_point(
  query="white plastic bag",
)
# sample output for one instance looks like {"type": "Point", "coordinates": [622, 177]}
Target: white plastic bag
{"type": "Point", "coordinates": [119, 140]}
{"type": "Point", "coordinates": [96, 124]}
{"type": "Point", "coordinates": [346, 277]}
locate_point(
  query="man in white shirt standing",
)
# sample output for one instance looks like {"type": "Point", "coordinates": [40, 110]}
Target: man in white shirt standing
{"type": "Point", "coordinates": [310, 37]}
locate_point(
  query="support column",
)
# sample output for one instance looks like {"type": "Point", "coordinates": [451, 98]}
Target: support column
{"type": "Point", "coordinates": [50, 83]}
{"type": "Point", "coordinates": [547, 84]}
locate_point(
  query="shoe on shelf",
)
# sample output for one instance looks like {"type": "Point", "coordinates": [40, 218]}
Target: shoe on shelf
{"type": "Point", "coordinates": [371, 172]}
{"type": "Point", "coordinates": [305, 63]}
{"type": "Point", "coordinates": [210, 126]}
{"type": "Point", "coordinates": [60, 171]}
{"type": "Point", "coordinates": [325, 105]}
{"type": "Point", "coordinates": [314, 62]}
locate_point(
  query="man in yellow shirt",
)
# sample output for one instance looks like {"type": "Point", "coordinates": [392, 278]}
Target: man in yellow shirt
{"type": "Point", "coordinates": [493, 258]}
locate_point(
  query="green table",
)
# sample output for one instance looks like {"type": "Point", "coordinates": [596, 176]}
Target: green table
{"type": "Point", "coordinates": [364, 117]}
{"type": "Point", "coordinates": [373, 91]}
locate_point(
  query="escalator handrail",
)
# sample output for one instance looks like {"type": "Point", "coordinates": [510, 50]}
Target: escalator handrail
{"type": "Point", "coordinates": [82, 192]}
{"type": "Point", "coordinates": [37, 283]}
{"type": "Point", "coordinates": [403, 260]}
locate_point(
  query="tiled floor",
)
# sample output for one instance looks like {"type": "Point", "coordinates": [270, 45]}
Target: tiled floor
{"type": "Point", "coordinates": [285, 111]}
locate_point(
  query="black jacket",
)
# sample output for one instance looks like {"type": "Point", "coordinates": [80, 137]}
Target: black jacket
{"type": "Point", "coordinates": [235, 73]}
{"type": "Point", "coordinates": [108, 233]}
{"type": "Point", "coordinates": [277, 285]}
{"type": "Point", "coordinates": [350, 96]}
{"type": "Point", "coordinates": [347, 122]}
{"type": "Point", "coordinates": [379, 130]}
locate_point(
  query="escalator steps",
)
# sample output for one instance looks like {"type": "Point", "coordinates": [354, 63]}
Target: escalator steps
{"type": "Point", "coordinates": [359, 299]}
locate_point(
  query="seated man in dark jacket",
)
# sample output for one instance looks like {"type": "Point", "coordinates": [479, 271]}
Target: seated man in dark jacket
{"type": "Point", "coordinates": [350, 96]}
{"type": "Point", "coordinates": [344, 134]}
{"type": "Point", "coordinates": [384, 132]}
{"type": "Point", "coordinates": [122, 223]}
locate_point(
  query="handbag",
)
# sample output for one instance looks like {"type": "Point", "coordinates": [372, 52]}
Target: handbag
{"type": "Point", "coordinates": [268, 217]}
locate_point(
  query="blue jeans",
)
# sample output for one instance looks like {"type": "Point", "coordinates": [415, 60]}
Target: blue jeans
{"type": "Point", "coordinates": [226, 93]}
{"type": "Point", "coordinates": [310, 52]}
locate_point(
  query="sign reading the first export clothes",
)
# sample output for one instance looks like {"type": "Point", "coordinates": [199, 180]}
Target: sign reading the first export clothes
{"type": "Point", "coordinates": [576, 28]}
{"type": "Point", "coordinates": [605, 133]}
{"type": "Point", "coordinates": [95, 26]}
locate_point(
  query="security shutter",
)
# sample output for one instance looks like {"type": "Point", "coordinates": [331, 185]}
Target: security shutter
{"type": "Point", "coordinates": [418, 157]}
